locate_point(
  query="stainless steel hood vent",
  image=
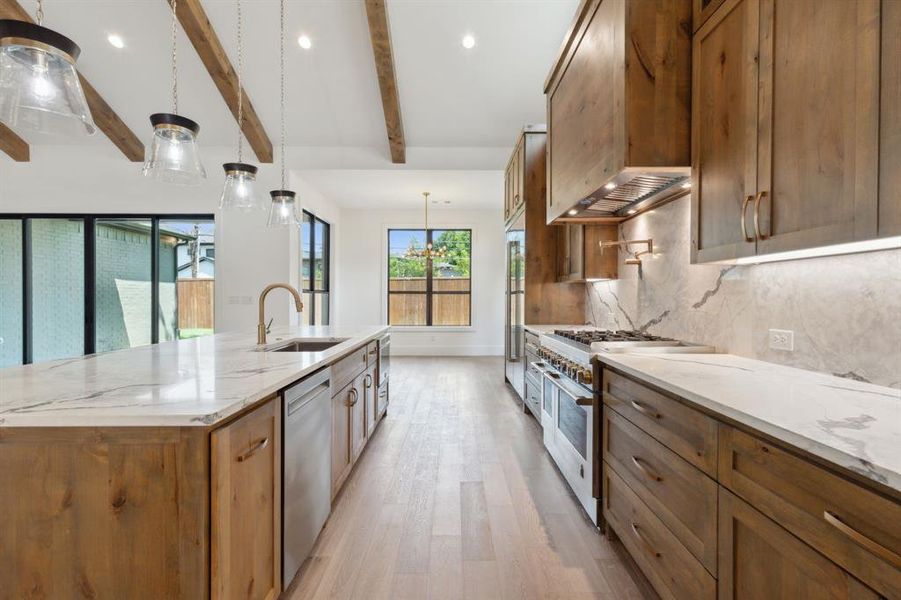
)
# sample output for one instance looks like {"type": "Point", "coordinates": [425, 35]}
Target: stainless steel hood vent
{"type": "Point", "coordinates": [632, 191]}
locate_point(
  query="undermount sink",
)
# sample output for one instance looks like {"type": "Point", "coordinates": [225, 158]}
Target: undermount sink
{"type": "Point", "coordinates": [306, 345]}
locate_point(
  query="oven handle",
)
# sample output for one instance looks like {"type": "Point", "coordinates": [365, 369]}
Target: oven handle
{"type": "Point", "coordinates": [558, 380]}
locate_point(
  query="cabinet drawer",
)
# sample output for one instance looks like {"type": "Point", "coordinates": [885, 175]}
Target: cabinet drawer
{"type": "Point", "coordinates": [372, 353]}
{"type": "Point", "coordinates": [857, 529]}
{"type": "Point", "coordinates": [678, 493]}
{"type": "Point", "coordinates": [346, 370]}
{"type": "Point", "coordinates": [670, 567]}
{"type": "Point", "coordinates": [685, 431]}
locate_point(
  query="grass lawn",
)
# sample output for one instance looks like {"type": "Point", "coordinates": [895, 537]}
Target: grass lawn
{"type": "Point", "coordinates": [186, 334]}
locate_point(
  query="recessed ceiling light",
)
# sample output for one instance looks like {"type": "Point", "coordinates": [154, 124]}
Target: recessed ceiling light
{"type": "Point", "coordinates": [632, 211]}
{"type": "Point", "coordinates": [609, 186]}
{"type": "Point", "coordinates": [686, 185]}
{"type": "Point", "coordinates": [468, 41]}
{"type": "Point", "coordinates": [115, 41]}
{"type": "Point", "coordinates": [572, 212]}
{"type": "Point", "coordinates": [305, 42]}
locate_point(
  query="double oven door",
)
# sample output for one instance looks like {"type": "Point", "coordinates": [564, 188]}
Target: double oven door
{"type": "Point", "coordinates": [567, 419]}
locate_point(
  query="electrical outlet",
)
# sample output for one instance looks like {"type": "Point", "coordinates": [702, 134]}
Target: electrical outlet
{"type": "Point", "coordinates": [782, 339]}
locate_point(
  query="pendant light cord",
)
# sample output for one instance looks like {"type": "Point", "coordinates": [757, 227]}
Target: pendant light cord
{"type": "Point", "coordinates": [240, 85]}
{"type": "Point", "coordinates": [282, 65]}
{"type": "Point", "coordinates": [39, 14]}
{"type": "Point", "coordinates": [174, 57]}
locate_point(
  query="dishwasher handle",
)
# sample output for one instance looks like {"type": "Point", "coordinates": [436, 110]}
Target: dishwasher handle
{"type": "Point", "coordinates": [298, 403]}
{"type": "Point", "coordinates": [301, 393]}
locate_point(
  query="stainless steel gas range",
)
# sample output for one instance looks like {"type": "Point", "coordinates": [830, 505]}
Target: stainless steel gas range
{"type": "Point", "coordinates": [568, 398]}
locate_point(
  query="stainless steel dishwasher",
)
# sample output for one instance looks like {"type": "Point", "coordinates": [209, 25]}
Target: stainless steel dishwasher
{"type": "Point", "coordinates": [306, 468]}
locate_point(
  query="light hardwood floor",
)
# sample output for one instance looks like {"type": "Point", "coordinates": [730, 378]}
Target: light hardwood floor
{"type": "Point", "coordinates": [455, 497]}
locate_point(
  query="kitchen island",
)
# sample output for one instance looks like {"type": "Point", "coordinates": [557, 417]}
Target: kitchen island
{"type": "Point", "coordinates": [154, 471]}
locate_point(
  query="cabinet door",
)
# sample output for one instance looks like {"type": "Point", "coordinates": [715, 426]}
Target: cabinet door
{"type": "Point", "coordinates": [520, 172]}
{"type": "Point", "coordinates": [571, 252]}
{"type": "Point", "coordinates": [760, 560]}
{"type": "Point", "coordinates": [341, 457]}
{"type": "Point", "coordinates": [357, 417]}
{"type": "Point", "coordinates": [724, 132]}
{"type": "Point", "coordinates": [890, 122]}
{"type": "Point", "coordinates": [370, 395]}
{"type": "Point", "coordinates": [819, 123]}
{"type": "Point", "coordinates": [245, 506]}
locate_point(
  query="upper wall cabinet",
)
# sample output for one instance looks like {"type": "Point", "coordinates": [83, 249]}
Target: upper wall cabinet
{"type": "Point", "coordinates": [786, 126]}
{"type": "Point", "coordinates": [890, 122]}
{"type": "Point", "coordinates": [618, 106]}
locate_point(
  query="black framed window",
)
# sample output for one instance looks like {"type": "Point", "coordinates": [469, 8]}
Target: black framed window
{"type": "Point", "coordinates": [73, 284]}
{"type": "Point", "coordinates": [315, 251]}
{"type": "Point", "coordinates": [430, 292]}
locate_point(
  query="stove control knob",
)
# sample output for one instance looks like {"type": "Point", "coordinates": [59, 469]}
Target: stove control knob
{"type": "Point", "coordinates": [585, 376]}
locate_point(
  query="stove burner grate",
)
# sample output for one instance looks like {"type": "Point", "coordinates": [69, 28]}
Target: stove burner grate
{"type": "Point", "coordinates": [602, 335]}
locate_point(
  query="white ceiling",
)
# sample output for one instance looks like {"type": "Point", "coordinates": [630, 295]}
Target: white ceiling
{"type": "Point", "coordinates": [402, 189]}
{"type": "Point", "coordinates": [462, 110]}
{"type": "Point", "coordinates": [449, 96]}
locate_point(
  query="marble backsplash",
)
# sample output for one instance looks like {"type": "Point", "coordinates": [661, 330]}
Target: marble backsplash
{"type": "Point", "coordinates": [845, 311]}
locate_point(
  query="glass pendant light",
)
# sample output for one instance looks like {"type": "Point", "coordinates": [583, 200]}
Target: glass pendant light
{"type": "Point", "coordinates": [283, 208]}
{"type": "Point", "coordinates": [173, 156]}
{"type": "Point", "coordinates": [239, 192]}
{"type": "Point", "coordinates": [39, 86]}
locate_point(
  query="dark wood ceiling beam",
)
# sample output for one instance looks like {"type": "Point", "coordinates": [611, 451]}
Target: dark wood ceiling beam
{"type": "Point", "coordinates": [380, 35]}
{"type": "Point", "coordinates": [104, 116]}
{"type": "Point", "coordinates": [197, 26]}
{"type": "Point", "coordinates": [13, 145]}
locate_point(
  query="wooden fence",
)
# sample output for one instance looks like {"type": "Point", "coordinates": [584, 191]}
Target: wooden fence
{"type": "Point", "coordinates": [195, 303]}
{"type": "Point", "coordinates": [447, 309]}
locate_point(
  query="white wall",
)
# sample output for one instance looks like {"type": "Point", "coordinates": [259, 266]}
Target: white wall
{"type": "Point", "coordinates": [68, 179]}
{"type": "Point", "coordinates": [362, 279]}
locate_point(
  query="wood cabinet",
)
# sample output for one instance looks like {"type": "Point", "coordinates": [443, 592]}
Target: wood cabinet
{"type": "Point", "coordinates": [515, 185]}
{"type": "Point", "coordinates": [342, 459]}
{"type": "Point", "coordinates": [618, 97]}
{"type": "Point", "coordinates": [545, 300]}
{"type": "Point", "coordinates": [245, 503]}
{"type": "Point", "coordinates": [357, 411]}
{"type": "Point", "coordinates": [759, 560]}
{"type": "Point", "coordinates": [890, 122]}
{"type": "Point", "coordinates": [354, 410]}
{"type": "Point", "coordinates": [786, 126]}
{"type": "Point", "coordinates": [370, 398]}
{"type": "Point", "coordinates": [579, 255]}
{"type": "Point", "coordinates": [724, 136]}
{"type": "Point", "coordinates": [694, 497]}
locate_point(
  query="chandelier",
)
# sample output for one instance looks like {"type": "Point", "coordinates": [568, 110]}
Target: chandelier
{"type": "Point", "coordinates": [429, 253]}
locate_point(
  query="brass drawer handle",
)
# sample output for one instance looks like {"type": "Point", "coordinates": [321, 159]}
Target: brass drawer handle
{"type": "Point", "coordinates": [256, 448]}
{"type": "Point", "coordinates": [644, 541]}
{"type": "Point", "coordinates": [644, 409]}
{"type": "Point", "coordinates": [367, 381]}
{"type": "Point", "coordinates": [646, 471]}
{"type": "Point", "coordinates": [352, 394]}
{"type": "Point", "coordinates": [862, 540]}
{"type": "Point", "coordinates": [744, 228]}
{"type": "Point", "coordinates": [760, 236]}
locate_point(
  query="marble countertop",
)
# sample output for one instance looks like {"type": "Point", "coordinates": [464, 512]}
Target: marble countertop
{"type": "Point", "coordinates": [854, 425]}
{"type": "Point", "coordinates": [195, 382]}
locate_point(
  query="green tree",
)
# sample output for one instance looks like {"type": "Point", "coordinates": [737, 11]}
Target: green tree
{"type": "Point", "coordinates": [458, 244]}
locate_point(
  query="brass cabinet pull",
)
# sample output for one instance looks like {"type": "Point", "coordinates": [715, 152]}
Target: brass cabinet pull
{"type": "Point", "coordinates": [862, 540]}
{"type": "Point", "coordinates": [256, 448]}
{"type": "Point", "coordinates": [644, 541]}
{"type": "Point", "coordinates": [644, 409]}
{"type": "Point", "coordinates": [757, 199]}
{"type": "Point", "coordinates": [646, 471]}
{"type": "Point", "coordinates": [744, 228]}
{"type": "Point", "coordinates": [352, 394]}
{"type": "Point", "coordinates": [367, 381]}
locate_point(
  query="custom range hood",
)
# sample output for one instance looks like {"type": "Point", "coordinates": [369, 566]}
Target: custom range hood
{"type": "Point", "coordinates": [619, 111]}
